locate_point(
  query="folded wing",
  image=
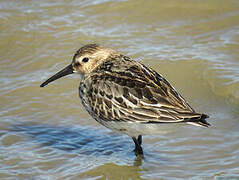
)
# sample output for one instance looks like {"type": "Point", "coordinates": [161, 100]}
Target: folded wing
{"type": "Point", "coordinates": [136, 93]}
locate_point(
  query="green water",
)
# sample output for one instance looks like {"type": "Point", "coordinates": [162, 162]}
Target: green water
{"type": "Point", "coordinates": [45, 133]}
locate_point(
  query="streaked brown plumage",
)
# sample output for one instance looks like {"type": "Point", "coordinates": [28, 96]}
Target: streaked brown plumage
{"type": "Point", "coordinates": [125, 95]}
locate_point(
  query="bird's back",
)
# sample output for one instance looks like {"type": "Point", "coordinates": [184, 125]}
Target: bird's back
{"type": "Point", "coordinates": [123, 90]}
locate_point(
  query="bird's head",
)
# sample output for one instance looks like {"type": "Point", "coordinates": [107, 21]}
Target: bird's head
{"type": "Point", "coordinates": [85, 60]}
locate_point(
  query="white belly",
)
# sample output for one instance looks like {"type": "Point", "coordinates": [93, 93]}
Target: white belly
{"type": "Point", "coordinates": [135, 129]}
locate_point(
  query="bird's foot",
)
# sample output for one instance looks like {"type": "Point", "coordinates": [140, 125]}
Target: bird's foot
{"type": "Point", "coordinates": [139, 151]}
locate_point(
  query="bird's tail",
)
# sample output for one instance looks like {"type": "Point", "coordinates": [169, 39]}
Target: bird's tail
{"type": "Point", "coordinates": [199, 121]}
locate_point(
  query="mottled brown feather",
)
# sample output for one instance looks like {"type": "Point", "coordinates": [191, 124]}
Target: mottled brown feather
{"type": "Point", "coordinates": [127, 90]}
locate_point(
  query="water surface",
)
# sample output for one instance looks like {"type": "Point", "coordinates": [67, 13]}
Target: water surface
{"type": "Point", "coordinates": [45, 133]}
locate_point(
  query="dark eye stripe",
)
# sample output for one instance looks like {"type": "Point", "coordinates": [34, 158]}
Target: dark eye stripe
{"type": "Point", "coordinates": [85, 59]}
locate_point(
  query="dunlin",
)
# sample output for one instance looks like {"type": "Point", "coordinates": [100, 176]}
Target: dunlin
{"type": "Point", "coordinates": [126, 96]}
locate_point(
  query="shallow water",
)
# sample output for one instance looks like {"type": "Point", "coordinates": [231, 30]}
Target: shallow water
{"type": "Point", "coordinates": [46, 134]}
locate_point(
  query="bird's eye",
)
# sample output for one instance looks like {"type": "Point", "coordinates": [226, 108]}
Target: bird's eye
{"type": "Point", "coordinates": [85, 59]}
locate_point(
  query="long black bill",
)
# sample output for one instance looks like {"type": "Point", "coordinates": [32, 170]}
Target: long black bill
{"type": "Point", "coordinates": [67, 70]}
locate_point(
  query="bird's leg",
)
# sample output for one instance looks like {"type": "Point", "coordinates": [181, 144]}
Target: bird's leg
{"type": "Point", "coordinates": [140, 139]}
{"type": "Point", "coordinates": [138, 149]}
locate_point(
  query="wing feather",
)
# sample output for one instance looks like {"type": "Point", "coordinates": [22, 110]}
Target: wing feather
{"type": "Point", "coordinates": [126, 90]}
